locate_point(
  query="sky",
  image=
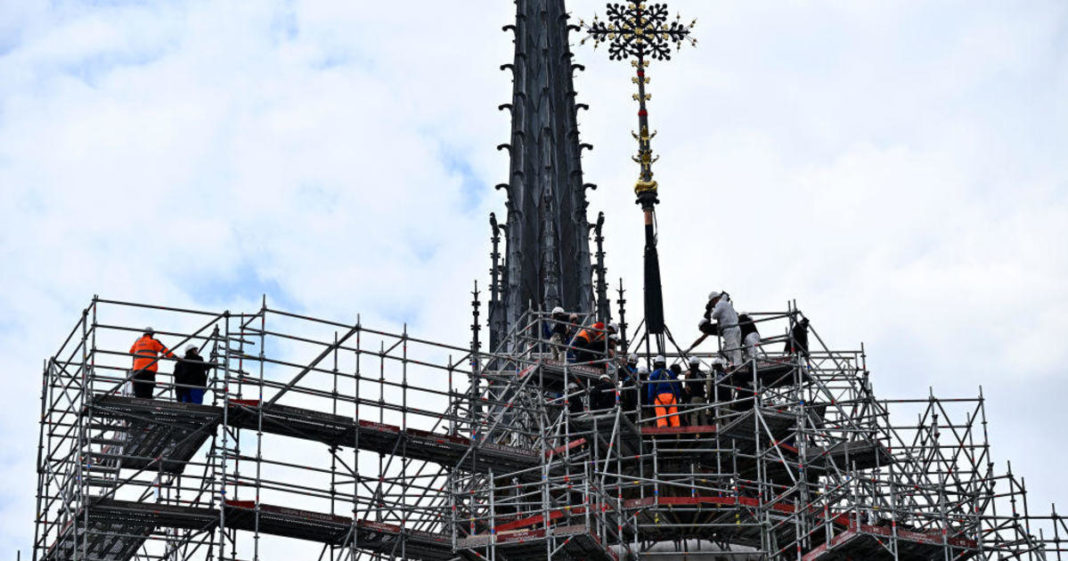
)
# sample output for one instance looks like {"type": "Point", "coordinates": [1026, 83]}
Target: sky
{"type": "Point", "coordinates": [898, 168]}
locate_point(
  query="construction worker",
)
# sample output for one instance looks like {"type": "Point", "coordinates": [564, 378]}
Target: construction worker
{"type": "Point", "coordinates": [676, 373]}
{"type": "Point", "coordinates": [589, 343]}
{"type": "Point", "coordinates": [696, 392]}
{"type": "Point", "coordinates": [664, 392]}
{"type": "Point", "coordinates": [613, 345]}
{"type": "Point", "coordinates": [721, 319]}
{"type": "Point", "coordinates": [603, 393]}
{"type": "Point", "coordinates": [718, 392]}
{"type": "Point", "coordinates": [632, 364]}
{"type": "Point", "coordinates": [557, 331]}
{"type": "Point", "coordinates": [147, 351]}
{"type": "Point", "coordinates": [190, 377]}
{"type": "Point", "coordinates": [798, 341]}
{"type": "Point", "coordinates": [643, 389]}
{"type": "Point", "coordinates": [628, 381]}
{"type": "Point", "coordinates": [750, 336]}
{"type": "Point", "coordinates": [573, 398]}
{"type": "Point", "coordinates": [707, 328]}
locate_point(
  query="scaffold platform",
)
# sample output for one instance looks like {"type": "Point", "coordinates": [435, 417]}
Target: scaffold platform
{"type": "Point", "coordinates": [860, 455]}
{"type": "Point", "coordinates": [877, 543]}
{"type": "Point", "coordinates": [571, 542]}
{"type": "Point", "coordinates": [554, 374]}
{"type": "Point", "coordinates": [769, 374]}
{"type": "Point", "coordinates": [170, 433]}
{"type": "Point", "coordinates": [117, 528]}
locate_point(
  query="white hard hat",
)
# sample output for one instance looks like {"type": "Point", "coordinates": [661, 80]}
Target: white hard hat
{"type": "Point", "coordinates": [695, 360]}
{"type": "Point", "coordinates": [605, 377]}
{"type": "Point", "coordinates": [613, 327]}
{"type": "Point", "coordinates": [718, 362]}
{"type": "Point", "coordinates": [659, 360]}
{"type": "Point", "coordinates": [613, 337]}
{"type": "Point", "coordinates": [643, 369]}
{"type": "Point", "coordinates": [632, 357]}
{"type": "Point", "coordinates": [714, 294]}
{"type": "Point", "coordinates": [572, 386]}
{"type": "Point", "coordinates": [558, 310]}
{"type": "Point", "coordinates": [190, 348]}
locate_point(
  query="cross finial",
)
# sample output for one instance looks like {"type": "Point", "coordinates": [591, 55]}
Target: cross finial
{"type": "Point", "coordinates": [639, 30]}
{"type": "Point", "coordinates": [645, 32]}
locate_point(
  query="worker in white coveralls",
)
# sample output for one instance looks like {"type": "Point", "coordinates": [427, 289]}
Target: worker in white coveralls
{"type": "Point", "coordinates": [721, 319]}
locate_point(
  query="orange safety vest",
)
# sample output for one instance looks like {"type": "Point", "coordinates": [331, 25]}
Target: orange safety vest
{"type": "Point", "coordinates": [591, 336]}
{"type": "Point", "coordinates": [145, 351]}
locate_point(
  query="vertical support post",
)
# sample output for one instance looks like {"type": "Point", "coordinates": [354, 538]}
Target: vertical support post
{"type": "Point", "coordinates": [82, 485]}
{"type": "Point", "coordinates": [40, 528]}
{"type": "Point", "coordinates": [333, 449]}
{"type": "Point", "coordinates": [404, 379]}
{"type": "Point", "coordinates": [492, 515]}
{"type": "Point", "coordinates": [219, 473]}
{"type": "Point", "coordinates": [622, 302]}
{"type": "Point", "coordinates": [378, 498]}
{"type": "Point", "coordinates": [259, 423]}
{"type": "Point", "coordinates": [357, 378]}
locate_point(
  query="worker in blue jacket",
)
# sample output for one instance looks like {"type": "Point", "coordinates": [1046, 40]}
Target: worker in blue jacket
{"type": "Point", "coordinates": [664, 391]}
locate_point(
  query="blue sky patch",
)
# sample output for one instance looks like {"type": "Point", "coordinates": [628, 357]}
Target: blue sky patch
{"type": "Point", "coordinates": [243, 282]}
{"type": "Point", "coordinates": [472, 188]}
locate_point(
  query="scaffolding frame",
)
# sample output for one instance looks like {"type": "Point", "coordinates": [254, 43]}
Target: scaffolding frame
{"type": "Point", "coordinates": [374, 445]}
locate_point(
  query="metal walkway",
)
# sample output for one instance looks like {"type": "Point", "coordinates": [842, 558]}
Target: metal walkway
{"type": "Point", "coordinates": [170, 433]}
{"type": "Point", "coordinates": [873, 543]}
{"type": "Point", "coordinates": [116, 529]}
{"type": "Point", "coordinates": [530, 545]}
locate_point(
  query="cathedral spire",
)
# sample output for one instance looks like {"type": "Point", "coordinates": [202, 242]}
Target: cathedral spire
{"type": "Point", "coordinates": [547, 256]}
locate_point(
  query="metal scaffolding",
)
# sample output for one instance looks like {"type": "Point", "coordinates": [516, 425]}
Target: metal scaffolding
{"type": "Point", "coordinates": [368, 444]}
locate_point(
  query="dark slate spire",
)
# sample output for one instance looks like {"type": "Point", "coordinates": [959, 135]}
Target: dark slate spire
{"type": "Point", "coordinates": [547, 256]}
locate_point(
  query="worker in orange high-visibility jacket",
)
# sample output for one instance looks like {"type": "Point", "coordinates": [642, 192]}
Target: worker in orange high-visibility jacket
{"type": "Point", "coordinates": [147, 351]}
{"type": "Point", "coordinates": [588, 344]}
